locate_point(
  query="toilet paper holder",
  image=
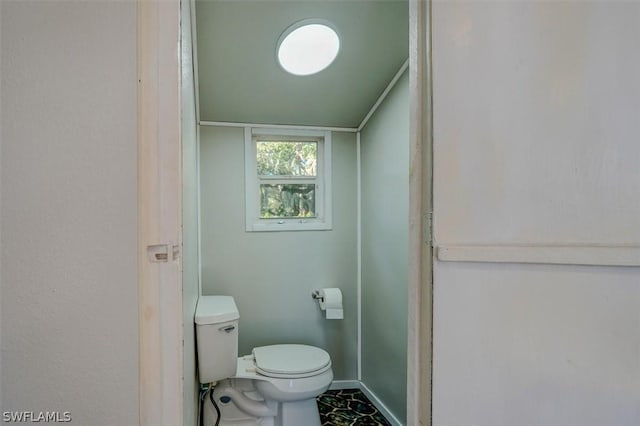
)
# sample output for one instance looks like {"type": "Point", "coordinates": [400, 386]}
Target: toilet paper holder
{"type": "Point", "coordinates": [316, 295]}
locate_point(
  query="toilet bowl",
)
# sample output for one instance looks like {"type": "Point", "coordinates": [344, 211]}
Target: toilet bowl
{"type": "Point", "coordinates": [287, 373]}
{"type": "Point", "coordinates": [275, 385]}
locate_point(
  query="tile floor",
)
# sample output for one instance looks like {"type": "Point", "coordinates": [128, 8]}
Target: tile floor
{"type": "Point", "coordinates": [348, 407]}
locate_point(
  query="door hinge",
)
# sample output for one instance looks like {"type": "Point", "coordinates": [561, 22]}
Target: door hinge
{"type": "Point", "coordinates": [159, 253]}
{"type": "Point", "coordinates": [428, 228]}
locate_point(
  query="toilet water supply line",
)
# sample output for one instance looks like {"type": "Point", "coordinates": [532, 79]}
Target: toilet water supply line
{"type": "Point", "coordinates": [203, 395]}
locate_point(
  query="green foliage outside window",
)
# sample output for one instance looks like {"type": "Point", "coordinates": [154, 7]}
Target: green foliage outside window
{"type": "Point", "coordinates": [295, 162]}
{"type": "Point", "coordinates": [287, 158]}
{"type": "Point", "coordinates": [287, 201]}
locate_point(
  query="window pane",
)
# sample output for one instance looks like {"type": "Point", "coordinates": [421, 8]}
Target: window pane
{"type": "Point", "coordinates": [287, 200]}
{"type": "Point", "coordinates": [287, 158]}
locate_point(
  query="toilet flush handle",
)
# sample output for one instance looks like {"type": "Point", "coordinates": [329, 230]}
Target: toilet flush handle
{"type": "Point", "coordinates": [227, 328]}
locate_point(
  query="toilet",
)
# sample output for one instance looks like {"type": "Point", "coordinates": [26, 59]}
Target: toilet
{"type": "Point", "coordinates": [275, 385]}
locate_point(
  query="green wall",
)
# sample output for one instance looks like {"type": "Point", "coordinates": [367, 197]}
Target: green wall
{"type": "Point", "coordinates": [385, 212]}
{"type": "Point", "coordinates": [271, 275]}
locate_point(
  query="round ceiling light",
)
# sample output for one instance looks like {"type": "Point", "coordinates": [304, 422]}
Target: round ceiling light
{"type": "Point", "coordinates": [307, 47]}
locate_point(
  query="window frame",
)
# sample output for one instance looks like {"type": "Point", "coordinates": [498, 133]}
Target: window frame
{"type": "Point", "coordinates": [323, 219]}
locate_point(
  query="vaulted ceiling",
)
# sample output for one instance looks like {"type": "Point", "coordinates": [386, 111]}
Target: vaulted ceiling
{"type": "Point", "coordinates": [240, 80]}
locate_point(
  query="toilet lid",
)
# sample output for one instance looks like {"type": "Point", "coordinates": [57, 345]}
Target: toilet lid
{"type": "Point", "coordinates": [291, 360]}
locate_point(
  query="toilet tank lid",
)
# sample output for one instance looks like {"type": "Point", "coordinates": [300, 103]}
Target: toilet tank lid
{"type": "Point", "coordinates": [216, 309]}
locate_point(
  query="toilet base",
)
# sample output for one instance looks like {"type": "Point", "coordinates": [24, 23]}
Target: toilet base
{"type": "Point", "coordinates": [231, 413]}
{"type": "Point", "coordinates": [299, 413]}
{"type": "Point", "coordinates": [295, 413]}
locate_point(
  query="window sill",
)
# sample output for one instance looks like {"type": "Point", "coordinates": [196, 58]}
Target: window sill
{"type": "Point", "coordinates": [289, 226]}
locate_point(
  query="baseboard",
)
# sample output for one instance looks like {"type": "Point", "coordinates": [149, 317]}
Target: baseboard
{"type": "Point", "coordinates": [380, 406]}
{"type": "Point", "coordinates": [344, 384]}
{"type": "Point", "coordinates": [355, 384]}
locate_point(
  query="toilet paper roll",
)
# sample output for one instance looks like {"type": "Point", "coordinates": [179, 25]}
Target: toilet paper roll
{"type": "Point", "coordinates": [332, 313]}
{"type": "Point", "coordinates": [330, 298]}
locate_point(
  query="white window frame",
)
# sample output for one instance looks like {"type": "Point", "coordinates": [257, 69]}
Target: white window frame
{"type": "Point", "coordinates": [322, 221]}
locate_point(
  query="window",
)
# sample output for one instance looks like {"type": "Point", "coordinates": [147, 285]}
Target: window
{"type": "Point", "coordinates": [287, 180]}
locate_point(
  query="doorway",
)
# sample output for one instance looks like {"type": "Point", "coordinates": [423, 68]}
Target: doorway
{"type": "Point", "coordinates": [419, 283]}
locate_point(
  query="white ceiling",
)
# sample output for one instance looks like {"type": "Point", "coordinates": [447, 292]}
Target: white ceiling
{"type": "Point", "coordinates": [240, 80]}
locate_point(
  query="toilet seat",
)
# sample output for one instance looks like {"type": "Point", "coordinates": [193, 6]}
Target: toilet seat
{"type": "Point", "coordinates": [290, 361]}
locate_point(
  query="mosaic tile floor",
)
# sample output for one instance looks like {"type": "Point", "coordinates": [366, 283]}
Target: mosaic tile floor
{"type": "Point", "coordinates": [348, 407]}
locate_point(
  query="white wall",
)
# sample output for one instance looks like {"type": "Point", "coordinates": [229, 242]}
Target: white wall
{"type": "Point", "coordinates": [68, 220]}
{"type": "Point", "coordinates": [385, 243]}
{"type": "Point", "coordinates": [190, 265]}
{"type": "Point", "coordinates": [536, 117]}
{"type": "Point", "coordinates": [272, 274]}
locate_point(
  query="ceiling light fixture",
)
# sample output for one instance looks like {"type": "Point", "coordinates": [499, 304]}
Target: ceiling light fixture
{"type": "Point", "coordinates": [308, 47]}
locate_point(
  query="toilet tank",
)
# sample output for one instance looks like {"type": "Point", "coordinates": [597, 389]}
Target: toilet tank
{"type": "Point", "coordinates": [216, 337]}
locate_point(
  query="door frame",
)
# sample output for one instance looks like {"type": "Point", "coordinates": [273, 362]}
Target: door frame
{"type": "Point", "coordinates": [160, 221]}
{"type": "Point", "coordinates": [159, 214]}
{"type": "Point", "coordinates": [420, 290]}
